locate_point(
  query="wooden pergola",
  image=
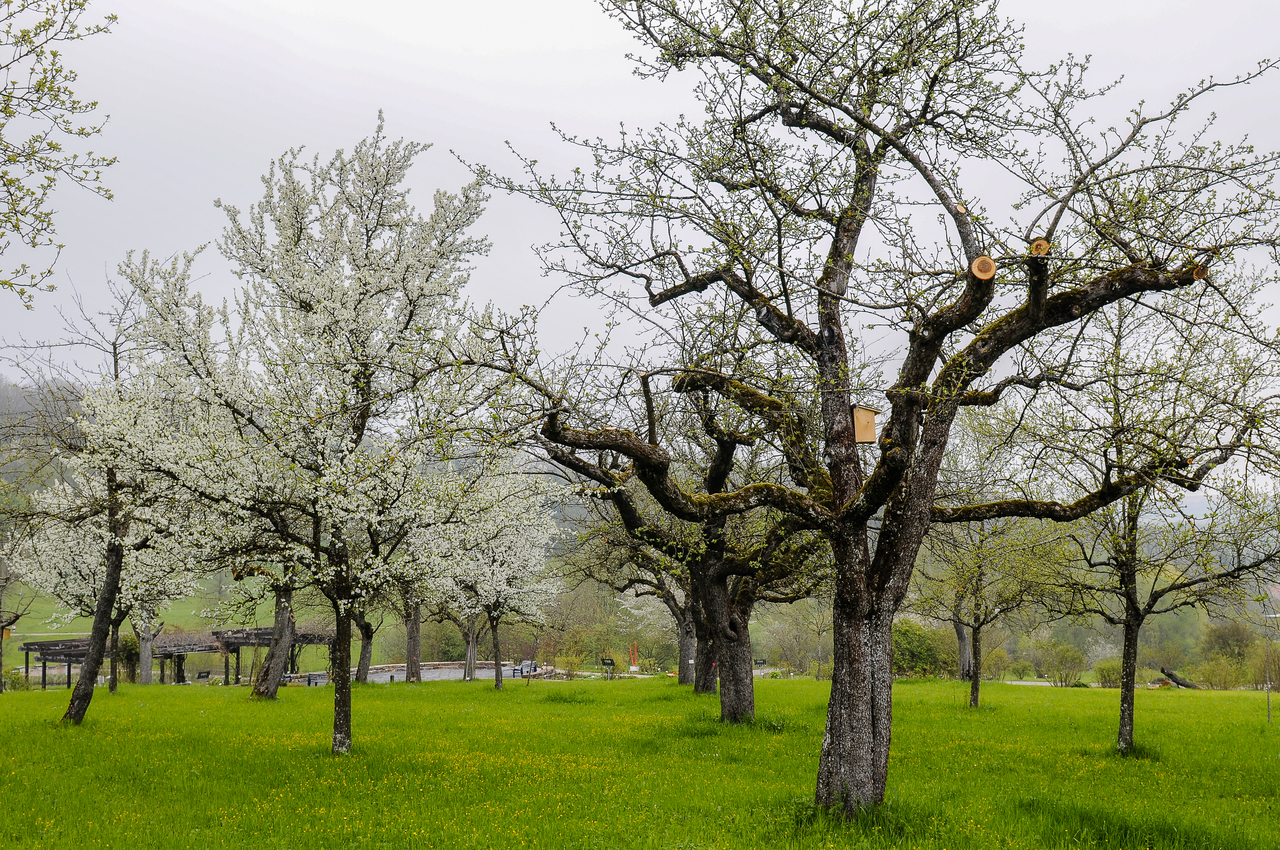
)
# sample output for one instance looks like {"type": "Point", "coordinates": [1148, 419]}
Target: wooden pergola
{"type": "Point", "coordinates": [225, 642]}
{"type": "Point", "coordinates": [67, 652]}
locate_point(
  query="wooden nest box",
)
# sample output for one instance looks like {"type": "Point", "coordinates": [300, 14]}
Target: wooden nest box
{"type": "Point", "coordinates": [864, 424]}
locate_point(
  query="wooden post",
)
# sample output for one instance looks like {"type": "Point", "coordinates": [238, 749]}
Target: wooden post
{"type": "Point", "coordinates": [162, 670]}
{"type": "Point", "coordinates": [237, 665]}
{"type": "Point", "coordinates": [226, 669]}
{"type": "Point", "coordinates": [68, 674]}
{"type": "Point", "coordinates": [28, 665]}
{"type": "Point", "coordinates": [44, 674]}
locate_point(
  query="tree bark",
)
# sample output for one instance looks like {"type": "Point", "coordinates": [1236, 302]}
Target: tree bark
{"type": "Point", "coordinates": [966, 652]}
{"type": "Point", "coordinates": [113, 680]}
{"type": "Point", "coordinates": [82, 695]}
{"type": "Point", "coordinates": [366, 631]}
{"type": "Point", "coordinates": [737, 682]}
{"type": "Point", "coordinates": [470, 633]}
{"type": "Point", "coordinates": [497, 657]}
{"type": "Point", "coordinates": [142, 623]}
{"type": "Point", "coordinates": [277, 661]}
{"type": "Point", "coordinates": [688, 648]}
{"type": "Point", "coordinates": [704, 669]}
{"type": "Point", "coordinates": [413, 642]}
{"type": "Point", "coordinates": [341, 676]}
{"type": "Point", "coordinates": [854, 766]}
{"type": "Point", "coordinates": [1128, 682]}
{"type": "Point", "coordinates": [975, 671]}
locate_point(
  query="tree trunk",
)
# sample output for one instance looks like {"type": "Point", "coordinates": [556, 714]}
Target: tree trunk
{"type": "Point", "coordinates": [728, 617]}
{"type": "Point", "coordinates": [366, 645]}
{"type": "Point", "coordinates": [469, 661]}
{"type": "Point", "coordinates": [966, 652]}
{"type": "Point", "coordinates": [413, 642]}
{"type": "Point", "coordinates": [975, 673]}
{"type": "Point", "coordinates": [341, 677]}
{"type": "Point", "coordinates": [687, 647]}
{"type": "Point", "coordinates": [277, 661]}
{"type": "Point", "coordinates": [113, 681]}
{"type": "Point", "coordinates": [82, 695]}
{"type": "Point", "coordinates": [145, 643]}
{"type": "Point", "coordinates": [497, 657]}
{"type": "Point", "coordinates": [737, 681]}
{"type": "Point", "coordinates": [1128, 679]}
{"type": "Point", "coordinates": [704, 668]}
{"type": "Point", "coordinates": [854, 766]}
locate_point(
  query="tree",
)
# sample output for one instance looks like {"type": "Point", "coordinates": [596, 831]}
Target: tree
{"type": "Point", "coordinates": [322, 414]}
{"type": "Point", "coordinates": [39, 115]}
{"type": "Point", "coordinates": [15, 600]}
{"type": "Point", "coordinates": [74, 534]}
{"type": "Point", "coordinates": [710, 575]}
{"type": "Point", "coordinates": [828, 121]}
{"type": "Point", "coordinates": [95, 514]}
{"type": "Point", "coordinates": [500, 573]}
{"type": "Point", "coordinates": [972, 575]}
{"type": "Point", "coordinates": [1187, 374]}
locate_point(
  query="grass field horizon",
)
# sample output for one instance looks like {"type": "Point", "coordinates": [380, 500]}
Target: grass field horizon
{"type": "Point", "coordinates": [640, 763]}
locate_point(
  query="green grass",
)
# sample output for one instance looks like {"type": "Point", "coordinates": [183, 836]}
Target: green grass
{"type": "Point", "coordinates": [629, 764]}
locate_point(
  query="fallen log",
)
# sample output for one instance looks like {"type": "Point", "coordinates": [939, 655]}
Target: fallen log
{"type": "Point", "coordinates": [1178, 680]}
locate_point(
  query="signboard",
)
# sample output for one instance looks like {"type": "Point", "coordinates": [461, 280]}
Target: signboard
{"type": "Point", "coordinates": [606, 662]}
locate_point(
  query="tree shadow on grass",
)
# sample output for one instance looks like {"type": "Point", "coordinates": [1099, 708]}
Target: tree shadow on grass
{"type": "Point", "coordinates": [1072, 824]}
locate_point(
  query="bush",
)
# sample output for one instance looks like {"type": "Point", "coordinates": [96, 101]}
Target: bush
{"type": "Point", "coordinates": [1064, 664]}
{"type": "Point", "coordinates": [1258, 665]}
{"type": "Point", "coordinates": [1222, 673]}
{"type": "Point", "coordinates": [128, 653]}
{"type": "Point", "coordinates": [914, 650]}
{"type": "Point", "coordinates": [14, 680]}
{"type": "Point", "coordinates": [995, 664]}
{"type": "Point", "coordinates": [1108, 671]}
{"type": "Point", "coordinates": [1021, 670]}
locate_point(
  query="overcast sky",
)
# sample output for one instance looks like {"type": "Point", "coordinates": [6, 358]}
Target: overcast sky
{"type": "Point", "coordinates": [202, 95]}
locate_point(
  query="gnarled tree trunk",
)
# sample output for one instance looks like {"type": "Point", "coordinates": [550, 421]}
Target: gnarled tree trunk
{"type": "Point", "coordinates": [413, 642]}
{"type": "Point", "coordinates": [854, 766]}
{"type": "Point", "coordinates": [471, 633]}
{"type": "Point", "coordinates": [274, 665]}
{"type": "Point", "coordinates": [704, 667]}
{"type": "Point", "coordinates": [728, 620]}
{"type": "Point", "coordinates": [143, 630]}
{"type": "Point", "coordinates": [366, 630]}
{"type": "Point", "coordinates": [687, 647]}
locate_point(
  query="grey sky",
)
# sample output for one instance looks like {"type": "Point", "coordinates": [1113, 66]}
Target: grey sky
{"type": "Point", "coordinates": [202, 96]}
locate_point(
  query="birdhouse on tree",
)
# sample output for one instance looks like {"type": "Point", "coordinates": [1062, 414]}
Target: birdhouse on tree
{"type": "Point", "coordinates": [864, 424]}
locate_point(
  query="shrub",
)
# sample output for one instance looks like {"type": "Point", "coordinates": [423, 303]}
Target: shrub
{"type": "Point", "coordinates": [128, 653]}
{"type": "Point", "coordinates": [14, 680]}
{"type": "Point", "coordinates": [996, 663]}
{"type": "Point", "coordinates": [1020, 670]}
{"type": "Point", "coordinates": [914, 650]}
{"type": "Point", "coordinates": [1258, 665]}
{"type": "Point", "coordinates": [1222, 673]}
{"type": "Point", "coordinates": [1108, 671]}
{"type": "Point", "coordinates": [1064, 664]}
